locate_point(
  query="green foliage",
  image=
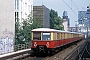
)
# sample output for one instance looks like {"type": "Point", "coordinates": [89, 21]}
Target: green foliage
{"type": "Point", "coordinates": [17, 32]}
{"type": "Point", "coordinates": [26, 30]}
{"type": "Point", "coordinates": [23, 30]}
{"type": "Point", "coordinates": [36, 24]}
{"type": "Point", "coordinates": [55, 21]}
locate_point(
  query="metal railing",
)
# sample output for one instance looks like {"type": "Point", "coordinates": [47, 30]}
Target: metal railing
{"type": "Point", "coordinates": [22, 46]}
{"type": "Point", "coordinates": [19, 51]}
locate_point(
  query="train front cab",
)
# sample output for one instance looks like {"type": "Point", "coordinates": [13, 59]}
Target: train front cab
{"type": "Point", "coordinates": [42, 42]}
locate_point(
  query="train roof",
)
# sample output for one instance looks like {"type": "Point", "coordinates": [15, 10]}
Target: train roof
{"type": "Point", "coordinates": [52, 30]}
{"type": "Point", "coordinates": [43, 29]}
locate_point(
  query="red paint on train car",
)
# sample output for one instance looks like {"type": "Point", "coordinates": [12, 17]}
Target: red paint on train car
{"type": "Point", "coordinates": [43, 43]}
{"type": "Point", "coordinates": [54, 43]}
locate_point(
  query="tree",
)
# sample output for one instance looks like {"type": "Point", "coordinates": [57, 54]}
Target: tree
{"type": "Point", "coordinates": [26, 30]}
{"type": "Point", "coordinates": [18, 32]}
{"type": "Point", "coordinates": [55, 20]}
{"type": "Point", "coordinates": [23, 30]}
{"type": "Point", "coordinates": [36, 23]}
{"type": "Point", "coordinates": [28, 25]}
{"type": "Point", "coordinates": [58, 23]}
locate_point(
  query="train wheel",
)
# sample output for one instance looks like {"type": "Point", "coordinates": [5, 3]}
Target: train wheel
{"type": "Point", "coordinates": [35, 52]}
{"type": "Point", "coordinates": [51, 52]}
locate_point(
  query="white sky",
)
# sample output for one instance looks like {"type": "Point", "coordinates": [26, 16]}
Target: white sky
{"type": "Point", "coordinates": [60, 6]}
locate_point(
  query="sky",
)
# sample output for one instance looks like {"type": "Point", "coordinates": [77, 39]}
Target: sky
{"type": "Point", "coordinates": [65, 5]}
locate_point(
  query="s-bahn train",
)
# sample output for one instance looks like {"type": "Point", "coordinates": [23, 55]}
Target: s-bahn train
{"type": "Point", "coordinates": [48, 40]}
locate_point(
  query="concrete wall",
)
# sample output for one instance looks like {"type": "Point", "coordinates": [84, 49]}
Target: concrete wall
{"type": "Point", "coordinates": [7, 26]}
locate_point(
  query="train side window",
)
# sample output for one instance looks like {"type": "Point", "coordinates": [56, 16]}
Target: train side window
{"type": "Point", "coordinates": [45, 36]}
{"type": "Point", "coordinates": [62, 35]}
{"type": "Point", "coordinates": [58, 36]}
{"type": "Point", "coordinates": [36, 35]}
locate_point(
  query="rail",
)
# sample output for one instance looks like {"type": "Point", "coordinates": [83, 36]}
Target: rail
{"type": "Point", "coordinates": [85, 49]}
{"type": "Point", "coordinates": [73, 53]}
{"type": "Point", "coordinates": [14, 54]}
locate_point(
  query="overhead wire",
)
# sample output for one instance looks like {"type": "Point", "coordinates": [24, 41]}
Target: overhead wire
{"type": "Point", "coordinates": [70, 7]}
{"type": "Point", "coordinates": [75, 5]}
{"type": "Point", "coordinates": [72, 2]}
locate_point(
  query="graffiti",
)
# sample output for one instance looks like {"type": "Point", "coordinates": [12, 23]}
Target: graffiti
{"type": "Point", "coordinates": [7, 42]}
{"type": "Point", "coordinates": [6, 45]}
{"type": "Point", "coordinates": [7, 32]}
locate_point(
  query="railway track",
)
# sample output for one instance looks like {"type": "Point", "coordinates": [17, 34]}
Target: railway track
{"type": "Point", "coordinates": [85, 54]}
{"type": "Point", "coordinates": [68, 53]}
{"type": "Point", "coordinates": [65, 54]}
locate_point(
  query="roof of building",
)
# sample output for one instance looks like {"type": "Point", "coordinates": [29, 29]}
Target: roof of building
{"type": "Point", "coordinates": [73, 27]}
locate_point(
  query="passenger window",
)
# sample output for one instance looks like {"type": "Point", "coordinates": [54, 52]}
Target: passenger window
{"type": "Point", "coordinates": [36, 35]}
{"type": "Point", "coordinates": [45, 36]}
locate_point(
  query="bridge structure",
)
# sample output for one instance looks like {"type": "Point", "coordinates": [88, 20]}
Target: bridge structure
{"type": "Point", "coordinates": [68, 53]}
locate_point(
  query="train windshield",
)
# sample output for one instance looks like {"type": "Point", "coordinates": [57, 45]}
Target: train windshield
{"type": "Point", "coordinates": [45, 36]}
{"type": "Point", "coordinates": [36, 35]}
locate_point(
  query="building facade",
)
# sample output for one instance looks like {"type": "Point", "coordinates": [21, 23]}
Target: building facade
{"type": "Point", "coordinates": [73, 29]}
{"type": "Point", "coordinates": [65, 24]}
{"type": "Point", "coordinates": [23, 8]}
{"type": "Point", "coordinates": [43, 14]}
{"type": "Point", "coordinates": [81, 17]}
{"type": "Point", "coordinates": [7, 26]}
{"type": "Point", "coordinates": [84, 21]}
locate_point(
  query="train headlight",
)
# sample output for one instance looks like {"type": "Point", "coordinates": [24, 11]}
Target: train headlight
{"type": "Point", "coordinates": [47, 44]}
{"type": "Point", "coordinates": [35, 44]}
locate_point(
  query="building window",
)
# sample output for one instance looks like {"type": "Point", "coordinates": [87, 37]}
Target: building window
{"type": "Point", "coordinates": [16, 4]}
{"type": "Point", "coordinates": [16, 16]}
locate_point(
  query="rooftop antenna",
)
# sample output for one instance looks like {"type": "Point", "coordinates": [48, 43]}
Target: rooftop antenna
{"type": "Point", "coordinates": [42, 2]}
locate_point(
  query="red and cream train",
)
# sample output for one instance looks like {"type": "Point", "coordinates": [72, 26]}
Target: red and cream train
{"type": "Point", "coordinates": [48, 40]}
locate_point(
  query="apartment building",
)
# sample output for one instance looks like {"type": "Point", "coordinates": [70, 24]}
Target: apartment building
{"type": "Point", "coordinates": [23, 8]}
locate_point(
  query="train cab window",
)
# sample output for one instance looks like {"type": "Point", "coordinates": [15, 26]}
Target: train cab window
{"type": "Point", "coordinates": [45, 36]}
{"type": "Point", "coordinates": [36, 35]}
